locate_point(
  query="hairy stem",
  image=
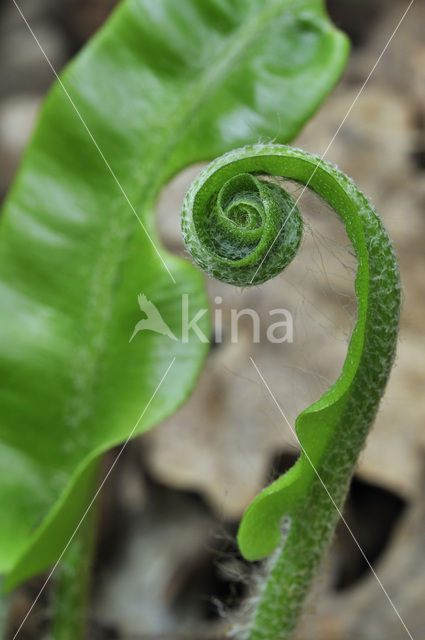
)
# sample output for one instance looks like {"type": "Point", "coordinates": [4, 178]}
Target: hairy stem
{"type": "Point", "coordinates": [4, 610]}
{"type": "Point", "coordinates": [231, 228]}
{"type": "Point", "coordinates": [72, 583]}
{"type": "Point", "coordinates": [294, 564]}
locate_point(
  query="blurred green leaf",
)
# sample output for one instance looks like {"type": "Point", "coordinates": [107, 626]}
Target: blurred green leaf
{"type": "Point", "coordinates": [162, 85]}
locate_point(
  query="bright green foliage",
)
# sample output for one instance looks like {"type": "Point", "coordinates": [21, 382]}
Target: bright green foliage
{"type": "Point", "coordinates": [165, 83]}
{"type": "Point", "coordinates": [229, 232]}
{"type": "Point", "coordinates": [331, 431]}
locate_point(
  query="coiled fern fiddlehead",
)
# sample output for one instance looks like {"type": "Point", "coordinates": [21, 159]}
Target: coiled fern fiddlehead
{"type": "Point", "coordinates": [242, 229]}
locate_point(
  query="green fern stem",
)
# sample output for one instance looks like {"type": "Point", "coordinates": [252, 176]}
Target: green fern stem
{"type": "Point", "coordinates": [242, 228]}
{"type": "Point", "coordinates": [72, 580]}
{"type": "Point", "coordinates": [4, 611]}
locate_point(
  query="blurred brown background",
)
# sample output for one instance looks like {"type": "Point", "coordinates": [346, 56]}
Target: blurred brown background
{"type": "Point", "coordinates": [167, 565]}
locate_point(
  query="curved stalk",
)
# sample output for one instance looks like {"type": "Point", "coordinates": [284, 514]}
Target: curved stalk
{"type": "Point", "coordinates": [229, 226]}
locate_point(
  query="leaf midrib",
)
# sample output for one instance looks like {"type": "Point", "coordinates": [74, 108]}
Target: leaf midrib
{"type": "Point", "coordinates": [152, 181]}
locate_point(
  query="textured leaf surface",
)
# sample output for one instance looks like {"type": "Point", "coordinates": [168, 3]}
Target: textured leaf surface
{"type": "Point", "coordinates": [296, 515]}
{"type": "Point", "coordinates": [162, 85]}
